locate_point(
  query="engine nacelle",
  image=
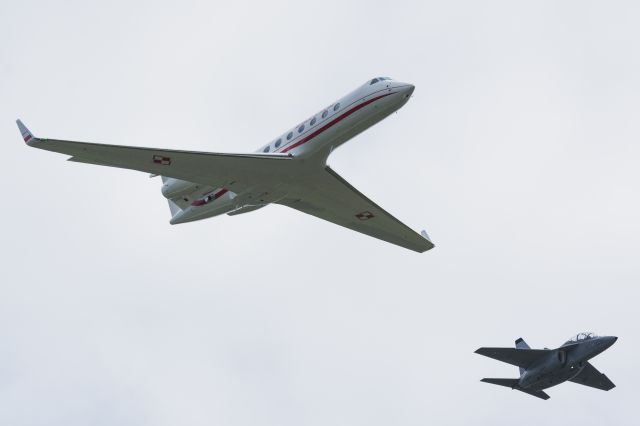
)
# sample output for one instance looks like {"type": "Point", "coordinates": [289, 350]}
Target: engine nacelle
{"type": "Point", "coordinates": [176, 188]}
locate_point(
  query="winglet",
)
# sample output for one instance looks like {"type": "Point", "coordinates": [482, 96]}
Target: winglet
{"type": "Point", "coordinates": [426, 236]}
{"type": "Point", "coordinates": [26, 134]}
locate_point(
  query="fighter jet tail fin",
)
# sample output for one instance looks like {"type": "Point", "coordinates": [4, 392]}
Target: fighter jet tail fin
{"type": "Point", "coordinates": [513, 384]}
{"type": "Point", "coordinates": [521, 344]}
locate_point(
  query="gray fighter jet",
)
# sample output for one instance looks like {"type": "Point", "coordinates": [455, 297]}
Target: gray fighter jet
{"type": "Point", "coordinates": [544, 368]}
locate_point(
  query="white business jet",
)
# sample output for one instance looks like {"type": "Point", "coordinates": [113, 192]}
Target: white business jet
{"type": "Point", "coordinates": [290, 171]}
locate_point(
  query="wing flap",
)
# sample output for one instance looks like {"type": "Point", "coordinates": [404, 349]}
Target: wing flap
{"type": "Point", "coordinates": [514, 356]}
{"type": "Point", "coordinates": [330, 197]}
{"type": "Point", "coordinates": [590, 376]}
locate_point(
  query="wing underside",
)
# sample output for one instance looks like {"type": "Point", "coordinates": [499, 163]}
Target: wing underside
{"type": "Point", "coordinates": [590, 376]}
{"type": "Point", "coordinates": [514, 356]}
{"type": "Point", "coordinates": [266, 177]}
{"type": "Point", "coordinates": [237, 172]}
{"type": "Point", "coordinates": [328, 196]}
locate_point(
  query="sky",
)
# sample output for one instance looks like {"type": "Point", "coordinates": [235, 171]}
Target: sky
{"type": "Point", "coordinates": [518, 153]}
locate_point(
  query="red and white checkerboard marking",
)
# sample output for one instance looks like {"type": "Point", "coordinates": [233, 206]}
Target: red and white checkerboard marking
{"type": "Point", "coordinates": [159, 159]}
{"type": "Point", "coordinates": [365, 215]}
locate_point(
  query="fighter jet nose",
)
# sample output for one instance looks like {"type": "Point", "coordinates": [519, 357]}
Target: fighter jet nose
{"type": "Point", "coordinates": [610, 340]}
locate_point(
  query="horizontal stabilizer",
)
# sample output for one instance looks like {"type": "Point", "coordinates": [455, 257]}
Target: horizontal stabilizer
{"type": "Point", "coordinates": [514, 356]}
{"type": "Point", "coordinates": [513, 384]}
{"type": "Point", "coordinates": [538, 394]}
{"type": "Point", "coordinates": [510, 383]}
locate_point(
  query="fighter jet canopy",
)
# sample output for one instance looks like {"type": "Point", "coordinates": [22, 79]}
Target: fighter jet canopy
{"type": "Point", "coordinates": [581, 336]}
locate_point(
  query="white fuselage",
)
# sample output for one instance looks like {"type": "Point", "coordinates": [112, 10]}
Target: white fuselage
{"type": "Point", "coordinates": [311, 140]}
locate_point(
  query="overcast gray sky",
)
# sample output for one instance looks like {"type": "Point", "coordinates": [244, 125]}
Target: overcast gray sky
{"type": "Point", "coordinates": [518, 153]}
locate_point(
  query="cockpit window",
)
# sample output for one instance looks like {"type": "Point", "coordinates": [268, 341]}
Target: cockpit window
{"type": "Point", "coordinates": [378, 79]}
{"type": "Point", "coordinates": [581, 336]}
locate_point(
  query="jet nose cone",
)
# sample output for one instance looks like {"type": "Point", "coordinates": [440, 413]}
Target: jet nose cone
{"type": "Point", "coordinates": [406, 89]}
{"type": "Point", "coordinates": [610, 340]}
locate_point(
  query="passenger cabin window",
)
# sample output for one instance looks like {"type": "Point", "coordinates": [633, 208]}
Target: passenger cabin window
{"type": "Point", "coordinates": [324, 113]}
{"type": "Point", "coordinates": [290, 135]}
{"type": "Point", "coordinates": [278, 142]}
{"type": "Point", "coordinates": [266, 149]}
{"type": "Point", "coordinates": [336, 107]}
{"type": "Point", "coordinates": [301, 128]}
{"type": "Point", "coordinates": [312, 122]}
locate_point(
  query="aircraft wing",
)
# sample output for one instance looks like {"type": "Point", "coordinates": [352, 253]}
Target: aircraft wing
{"type": "Point", "coordinates": [236, 172]}
{"type": "Point", "coordinates": [590, 376]}
{"type": "Point", "coordinates": [518, 357]}
{"type": "Point", "coordinates": [328, 196]}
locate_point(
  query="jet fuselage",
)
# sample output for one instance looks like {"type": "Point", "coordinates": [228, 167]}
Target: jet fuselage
{"type": "Point", "coordinates": [543, 368]}
{"type": "Point", "coordinates": [563, 363]}
{"type": "Point", "coordinates": [311, 140]}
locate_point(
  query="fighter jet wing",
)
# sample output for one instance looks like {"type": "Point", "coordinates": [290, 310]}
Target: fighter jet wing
{"type": "Point", "coordinates": [235, 172]}
{"type": "Point", "coordinates": [518, 357]}
{"type": "Point", "coordinates": [590, 376]}
{"type": "Point", "coordinates": [328, 196]}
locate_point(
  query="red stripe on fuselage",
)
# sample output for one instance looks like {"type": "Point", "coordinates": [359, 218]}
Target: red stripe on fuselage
{"type": "Point", "coordinates": [331, 123]}
{"type": "Point", "coordinates": [203, 201]}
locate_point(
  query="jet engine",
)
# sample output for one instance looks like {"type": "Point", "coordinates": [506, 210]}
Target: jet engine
{"type": "Point", "coordinates": [176, 188]}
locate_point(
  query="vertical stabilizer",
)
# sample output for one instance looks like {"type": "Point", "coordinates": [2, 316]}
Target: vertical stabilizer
{"type": "Point", "coordinates": [521, 344]}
